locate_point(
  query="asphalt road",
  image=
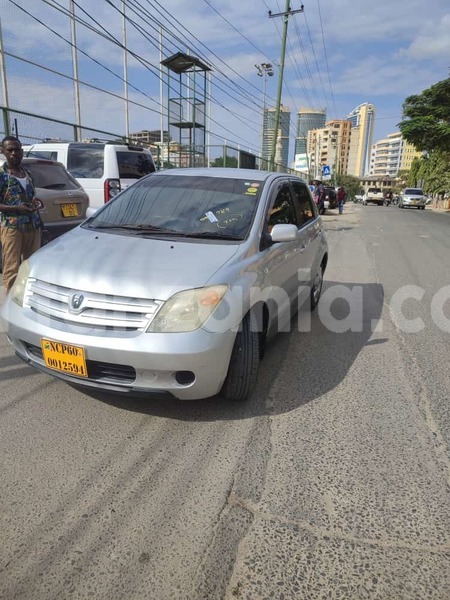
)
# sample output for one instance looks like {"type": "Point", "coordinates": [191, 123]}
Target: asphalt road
{"type": "Point", "coordinates": [331, 482]}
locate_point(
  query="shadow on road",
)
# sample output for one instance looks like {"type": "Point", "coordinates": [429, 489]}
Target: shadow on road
{"type": "Point", "coordinates": [298, 367]}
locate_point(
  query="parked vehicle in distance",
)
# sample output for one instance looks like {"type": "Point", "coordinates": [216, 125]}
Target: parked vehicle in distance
{"type": "Point", "coordinates": [102, 168]}
{"type": "Point", "coordinates": [331, 196]}
{"type": "Point", "coordinates": [412, 197]}
{"type": "Point", "coordinates": [64, 200]}
{"type": "Point", "coordinates": [173, 287]}
{"type": "Point", "coordinates": [374, 195]}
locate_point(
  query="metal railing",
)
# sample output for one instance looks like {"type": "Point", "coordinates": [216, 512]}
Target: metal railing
{"type": "Point", "coordinates": [32, 128]}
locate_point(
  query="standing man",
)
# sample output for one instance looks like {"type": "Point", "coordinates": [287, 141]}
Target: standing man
{"type": "Point", "coordinates": [319, 196]}
{"type": "Point", "coordinates": [341, 196]}
{"type": "Point", "coordinates": [19, 218]}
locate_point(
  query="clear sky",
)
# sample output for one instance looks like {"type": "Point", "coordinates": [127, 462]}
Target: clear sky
{"type": "Point", "coordinates": [339, 54]}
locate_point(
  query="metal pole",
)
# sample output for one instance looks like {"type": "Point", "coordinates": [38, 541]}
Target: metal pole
{"type": "Point", "coordinates": [75, 71]}
{"type": "Point", "coordinates": [208, 118]}
{"type": "Point", "coordinates": [264, 111]}
{"type": "Point", "coordinates": [280, 88]}
{"type": "Point", "coordinates": [161, 92]}
{"type": "Point", "coordinates": [125, 70]}
{"type": "Point", "coordinates": [4, 80]}
{"type": "Point", "coordinates": [285, 15]}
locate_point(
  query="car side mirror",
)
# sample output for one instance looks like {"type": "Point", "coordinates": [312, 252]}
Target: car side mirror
{"type": "Point", "coordinates": [284, 233]}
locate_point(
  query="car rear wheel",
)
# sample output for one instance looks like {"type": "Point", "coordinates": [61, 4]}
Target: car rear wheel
{"type": "Point", "coordinates": [244, 362]}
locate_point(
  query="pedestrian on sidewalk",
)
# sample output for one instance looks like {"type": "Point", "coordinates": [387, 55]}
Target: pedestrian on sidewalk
{"type": "Point", "coordinates": [341, 197]}
{"type": "Point", "coordinates": [319, 196]}
{"type": "Point", "coordinates": [20, 223]}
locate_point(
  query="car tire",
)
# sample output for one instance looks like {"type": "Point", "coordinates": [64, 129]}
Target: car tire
{"type": "Point", "coordinates": [244, 363]}
{"type": "Point", "coordinates": [316, 288]}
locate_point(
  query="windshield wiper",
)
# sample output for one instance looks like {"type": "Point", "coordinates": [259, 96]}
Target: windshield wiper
{"type": "Point", "coordinates": [138, 227]}
{"type": "Point", "coordinates": [213, 235]}
{"type": "Point", "coordinates": [146, 228]}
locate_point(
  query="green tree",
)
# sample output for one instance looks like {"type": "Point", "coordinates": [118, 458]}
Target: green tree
{"type": "Point", "coordinates": [230, 161]}
{"type": "Point", "coordinates": [351, 184]}
{"type": "Point", "coordinates": [426, 118]}
{"type": "Point", "coordinates": [433, 171]}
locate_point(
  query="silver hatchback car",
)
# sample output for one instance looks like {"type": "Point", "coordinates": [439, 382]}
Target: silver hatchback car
{"type": "Point", "coordinates": [174, 286]}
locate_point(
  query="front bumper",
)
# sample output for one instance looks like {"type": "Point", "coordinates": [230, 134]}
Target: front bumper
{"type": "Point", "coordinates": [410, 202]}
{"type": "Point", "coordinates": [131, 361]}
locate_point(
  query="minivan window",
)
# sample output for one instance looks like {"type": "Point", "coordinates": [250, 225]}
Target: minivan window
{"type": "Point", "coordinates": [86, 162]}
{"type": "Point", "coordinates": [183, 205]}
{"type": "Point", "coordinates": [133, 165]}
{"type": "Point", "coordinates": [413, 192]}
{"type": "Point", "coordinates": [51, 177]}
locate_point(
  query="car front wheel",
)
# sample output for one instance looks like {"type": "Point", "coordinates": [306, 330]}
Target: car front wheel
{"type": "Point", "coordinates": [316, 289]}
{"type": "Point", "coordinates": [244, 362]}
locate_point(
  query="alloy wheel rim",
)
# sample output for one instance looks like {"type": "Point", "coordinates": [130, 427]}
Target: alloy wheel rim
{"type": "Point", "coordinates": [317, 287]}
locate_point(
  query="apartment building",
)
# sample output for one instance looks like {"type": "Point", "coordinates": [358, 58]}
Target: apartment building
{"type": "Point", "coordinates": [391, 154]}
{"type": "Point", "coordinates": [329, 145]}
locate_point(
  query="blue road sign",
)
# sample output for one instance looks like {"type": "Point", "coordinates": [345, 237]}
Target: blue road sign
{"type": "Point", "coordinates": [326, 171]}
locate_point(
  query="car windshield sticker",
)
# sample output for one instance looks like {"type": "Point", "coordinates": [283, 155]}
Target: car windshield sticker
{"type": "Point", "coordinates": [212, 217]}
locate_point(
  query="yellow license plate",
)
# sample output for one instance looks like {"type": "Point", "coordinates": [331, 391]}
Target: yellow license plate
{"type": "Point", "coordinates": [69, 210]}
{"type": "Point", "coordinates": [64, 357]}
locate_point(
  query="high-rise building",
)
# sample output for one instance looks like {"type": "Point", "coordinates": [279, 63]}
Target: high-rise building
{"type": "Point", "coordinates": [283, 134]}
{"type": "Point", "coordinates": [392, 154]}
{"type": "Point", "coordinates": [362, 119]}
{"type": "Point", "coordinates": [307, 120]}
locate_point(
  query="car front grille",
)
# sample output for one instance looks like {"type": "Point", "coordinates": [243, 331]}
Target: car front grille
{"type": "Point", "coordinates": [93, 310]}
{"type": "Point", "coordinates": [96, 370]}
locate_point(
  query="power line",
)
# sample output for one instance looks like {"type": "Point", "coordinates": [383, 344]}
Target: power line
{"type": "Point", "coordinates": [143, 62]}
{"type": "Point", "coordinates": [326, 57]}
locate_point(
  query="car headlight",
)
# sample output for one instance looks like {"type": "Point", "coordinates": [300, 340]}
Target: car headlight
{"type": "Point", "coordinates": [17, 292]}
{"type": "Point", "coordinates": [187, 310]}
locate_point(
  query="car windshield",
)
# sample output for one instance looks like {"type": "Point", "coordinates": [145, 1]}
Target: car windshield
{"type": "Point", "coordinates": [183, 205]}
{"type": "Point", "coordinates": [413, 192]}
{"type": "Point", "coordinates": [375, 190]}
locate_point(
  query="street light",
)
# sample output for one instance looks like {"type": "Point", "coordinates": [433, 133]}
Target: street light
{"type": "Point", "coordinates": [264, 70]}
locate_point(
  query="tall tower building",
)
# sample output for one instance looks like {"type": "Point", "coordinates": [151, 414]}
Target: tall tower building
{"type": "Point", "coordinates": [283, 133]}
{"type": "Point", "coordinates": [307, 120]}
{"type": "Point", "coordinates": [362, 119]}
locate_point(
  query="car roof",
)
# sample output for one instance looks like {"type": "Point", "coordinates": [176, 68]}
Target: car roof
{"type": "Point", "coordinates": [91, 144]}
{"type": "Point", "coordinates": [226, 172]}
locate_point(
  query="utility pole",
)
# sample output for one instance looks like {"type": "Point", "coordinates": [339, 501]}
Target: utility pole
{"type": "Point", "coordinates": [264, 70]}
{"type": "Point", "coordinates": [286, 14]}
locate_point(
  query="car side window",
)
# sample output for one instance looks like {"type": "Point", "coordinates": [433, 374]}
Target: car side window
{"type": "Point", "coordinates": [46, 155]}
{"type": "Point", "coordinates": [282, 211]}
{"type": "Point", "coordinates": [306, 208]}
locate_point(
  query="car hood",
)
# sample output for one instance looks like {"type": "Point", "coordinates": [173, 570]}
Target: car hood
{"type": "Point", "coordinates": [128, 265]}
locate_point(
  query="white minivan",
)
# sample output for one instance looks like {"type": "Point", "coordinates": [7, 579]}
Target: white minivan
{"type": "Point", "coordinates": [102, 168]}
